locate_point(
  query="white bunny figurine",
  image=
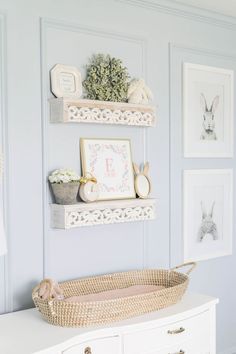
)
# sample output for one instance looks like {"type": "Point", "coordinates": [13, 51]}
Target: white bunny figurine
{"type": "Point", "coordinates": [142, 182]}
{"type": "Point", "coordinates": [209, 118]}
{"type": "Point", "coordinates": [208, 226]}
{"type": "Point", "coordinates": [138, 92]}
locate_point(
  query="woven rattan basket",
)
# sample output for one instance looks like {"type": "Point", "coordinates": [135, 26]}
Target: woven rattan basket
{"type": "Point", "coordinates": [67, 314]}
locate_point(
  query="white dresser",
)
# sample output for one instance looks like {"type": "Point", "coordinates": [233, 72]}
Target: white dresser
{"type": "Point", "coordinates": [187, 327]}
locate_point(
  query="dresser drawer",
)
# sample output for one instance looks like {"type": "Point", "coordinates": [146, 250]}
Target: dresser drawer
{"type": "Point", "coordinates": [153, 339]}
{"type": "Point", "coordinates": [106, 345]}
{"type": "Point", "coordinates": [191, 347]}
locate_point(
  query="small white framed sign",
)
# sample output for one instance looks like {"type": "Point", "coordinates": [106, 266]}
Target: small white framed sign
{"type": "Point", "coordinates": [66, 81]}
{"type": "Point", "coordinates": [208, 213]}
{"type": "Point", "coordinates": [208, 108]}
{"type": "Point", "coordinates": [110, 162]}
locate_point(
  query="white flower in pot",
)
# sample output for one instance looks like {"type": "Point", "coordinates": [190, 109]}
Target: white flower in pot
{"type": "Point", "coordinates": [65, 186]}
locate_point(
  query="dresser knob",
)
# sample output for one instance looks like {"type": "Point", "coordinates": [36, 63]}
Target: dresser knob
{"type": "Point", "coordinates": [180, 352]}
{"type": "Point", "coordinates": [87, 350]}
{"type": "Point", "coordinates": [176, 331]}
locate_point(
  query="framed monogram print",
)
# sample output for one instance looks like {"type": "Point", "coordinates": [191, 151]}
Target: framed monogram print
{"type": "Point", "coordinates": [110, 162]}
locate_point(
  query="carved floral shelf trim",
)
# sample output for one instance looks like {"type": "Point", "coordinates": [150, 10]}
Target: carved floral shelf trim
{"type": "Point", "coordinates": [101, 213]}
{"type": "Point", "coordinates": [64, 110]}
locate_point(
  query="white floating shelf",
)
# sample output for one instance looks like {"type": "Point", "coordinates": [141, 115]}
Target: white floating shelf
{"type": "Point", "coordinates": [65, 110]}
{"type": "Point", "coordinates": [100, 213]}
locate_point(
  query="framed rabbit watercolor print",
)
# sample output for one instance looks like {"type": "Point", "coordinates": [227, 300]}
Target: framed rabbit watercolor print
{"type": "Point", "coordinates": [208, 96]}
{"type": "Point", "coordinates": [208, 213]}
{"type": "Point", "coordinates": [110, 162]}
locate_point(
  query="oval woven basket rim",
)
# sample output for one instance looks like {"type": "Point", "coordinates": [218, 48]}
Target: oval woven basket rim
{"type": "Point", "coordinates": [88, 313]}
{"type": "Point", "coordinates": [102, 302]}
{"type": "Point", "coordinates": [110, 275]}
{"type": "Point", "coordinates": [119, 299]}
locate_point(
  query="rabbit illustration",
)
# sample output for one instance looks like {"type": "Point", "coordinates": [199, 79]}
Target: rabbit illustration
{"type": "Point", "coordinates": [208, 226]}
{"type": "Point", "coordinates": [209, 118]}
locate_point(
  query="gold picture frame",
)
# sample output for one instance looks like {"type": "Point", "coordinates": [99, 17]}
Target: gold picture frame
{"type": "Point", "coordinates": [109, 160]}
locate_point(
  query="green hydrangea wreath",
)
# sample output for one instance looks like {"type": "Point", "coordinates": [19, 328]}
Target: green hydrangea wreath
{"type": "Point", "coordinates": [107, 79]}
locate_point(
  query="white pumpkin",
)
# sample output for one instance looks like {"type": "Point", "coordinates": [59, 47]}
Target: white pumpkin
{"type": "Point", "coordinates": [89, 190]}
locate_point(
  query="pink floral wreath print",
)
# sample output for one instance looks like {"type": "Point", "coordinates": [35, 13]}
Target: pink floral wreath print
{"type": "Point", "coordinates": [110, 171]}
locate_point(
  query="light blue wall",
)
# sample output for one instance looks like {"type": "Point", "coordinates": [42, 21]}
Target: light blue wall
{"type": "Point", "coordinates": [153, 39]}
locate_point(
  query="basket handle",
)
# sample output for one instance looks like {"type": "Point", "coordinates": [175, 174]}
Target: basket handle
{"type": "Point", "coordinates": [192, 264]}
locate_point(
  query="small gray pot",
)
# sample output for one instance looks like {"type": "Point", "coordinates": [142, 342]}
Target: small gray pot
{"type": "Point", "coordinates": [65, 193]}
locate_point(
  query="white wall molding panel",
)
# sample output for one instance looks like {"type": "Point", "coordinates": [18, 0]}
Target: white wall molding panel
{"type": "Point", "coordinates": [188, 12]}
{"type": "Point", "coordinates": [95, 36]}
{"type": "Point", "coordinates": [153, 38]}
{"type": "Point", "coordinates": [4, 260]}
{"type": "Point", "coordinates": [81, 33]}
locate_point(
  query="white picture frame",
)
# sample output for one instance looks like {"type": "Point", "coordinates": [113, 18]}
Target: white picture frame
{"type": "Point", "coordinates": [207, 213]}
{"type": "Point", "coordinates": [66, 81]}
{"type": "Point", "coordinates": [110, 162]}
{"type": "Point", "coordinates": [208, 111]}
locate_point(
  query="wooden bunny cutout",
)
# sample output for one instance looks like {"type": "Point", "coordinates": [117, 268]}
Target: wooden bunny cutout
{"type": "Point", "coordinates": [142, 182]}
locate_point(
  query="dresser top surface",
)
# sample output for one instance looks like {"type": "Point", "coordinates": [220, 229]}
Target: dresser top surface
{"type": "Point", "coordinates": [25, 332]}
